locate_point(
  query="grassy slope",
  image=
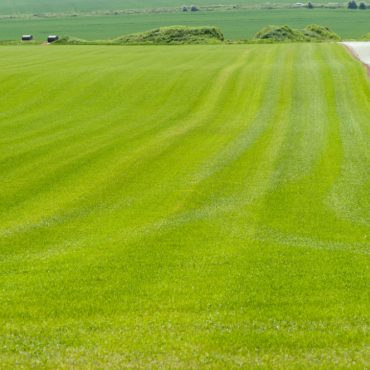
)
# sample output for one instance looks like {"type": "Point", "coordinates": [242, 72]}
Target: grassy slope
{"type": "Point", "coordinates": [184, 206]}
{"type": "Point", "coordinates": [52, 6]}
{"type": "Point", "coordinates": [234, 25]}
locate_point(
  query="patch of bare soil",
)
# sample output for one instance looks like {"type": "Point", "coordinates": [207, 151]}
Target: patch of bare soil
{"type": "Point", "coordinates": [354, 54]}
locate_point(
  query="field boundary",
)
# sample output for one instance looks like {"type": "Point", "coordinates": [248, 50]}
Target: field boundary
{"type": "Point", "coordinates": [355, 55]}
{"type": "Point", "coordinates": [176, 9]}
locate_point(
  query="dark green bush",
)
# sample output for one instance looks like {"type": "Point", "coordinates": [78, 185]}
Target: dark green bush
{"type": "Point", "coordinates": [362, 5]}
{"type": "Point", "coordinates": [184, 8]}
{"type": "Point", "coordinates": [279, 33]}
{"type": "Point", "coordinates": [174, 35]}
{"type": "Point", "coordinates": [286, 34]}
{"type": "Point", "coordinates": [323, 32]}
{"type": "Point", "coordinates": [309, 5]}
{"type": "Point", "coordinates": [193, 8]}
{"type": "Point", "coordinates": [352, 4]}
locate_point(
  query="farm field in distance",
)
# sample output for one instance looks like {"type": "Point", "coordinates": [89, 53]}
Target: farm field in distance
{"type": "Point", "coordinates": [184, 207]}
{"type": "Point", "coordinates": [235, 25]}
{"type": "Point", "coordinates": [56, 6]}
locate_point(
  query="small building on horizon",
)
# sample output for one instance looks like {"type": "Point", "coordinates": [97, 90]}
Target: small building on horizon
{"type": "Point", "coordinates": [27, 37]}
{"type": "Point", "coordinates": [53, 38]}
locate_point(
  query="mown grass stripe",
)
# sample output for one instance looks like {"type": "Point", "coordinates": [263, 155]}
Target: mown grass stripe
{"type": "Point", "coordinates": [184, 207]}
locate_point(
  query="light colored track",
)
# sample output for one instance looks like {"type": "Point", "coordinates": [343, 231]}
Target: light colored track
{"type": "Point", "coordinates": [361, 49]}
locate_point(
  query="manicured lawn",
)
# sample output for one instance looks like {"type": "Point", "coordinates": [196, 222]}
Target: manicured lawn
{"type": "Point", "coordinates": [235, 25]}
{"type": "Point", "coordinates": [184, 207]}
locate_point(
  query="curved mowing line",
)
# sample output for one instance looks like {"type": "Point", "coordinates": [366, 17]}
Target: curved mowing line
{"type": "Point", "coordinates": [184, 207]}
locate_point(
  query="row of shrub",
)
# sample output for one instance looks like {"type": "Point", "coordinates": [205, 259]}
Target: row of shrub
{"type": "Point", "coordinates": [352, 4]}
{"type": "Point", "coordinates": [177, 35]}
{"type": "Point", "coordinates": [192, 8]}
{"type": "Point", "coordinates": [173, 35]}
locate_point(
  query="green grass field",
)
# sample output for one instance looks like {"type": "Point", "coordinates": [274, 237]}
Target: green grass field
{"type": "Point", "coordinates": [184, 207]}
{"type": "Point", "coordinates": [235, 25]}
{"type": "Point", "coordinates": [55, 6]}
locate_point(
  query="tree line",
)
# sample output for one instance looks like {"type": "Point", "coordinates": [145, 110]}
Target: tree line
{"type": "Point", "coordinates": [350, 5]}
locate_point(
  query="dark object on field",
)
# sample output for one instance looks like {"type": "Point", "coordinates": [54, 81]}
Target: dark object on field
{"type": "Point", "coordinates": [184, 8]}
{"type": "Point", "coordinates": [193, 8]}
{"type": "Point", "coordinates": [362, 5]}
{"type": "Point", "coordinates": [352, 4]}
{"type": "Point", "coordinates": [309, 5]}
{"type": "Point", "coordinates": [27, 37]}
{"type": "Point", "coordinates": [327, 29]}
{"type": "Point", "coordinates": [53, 38]}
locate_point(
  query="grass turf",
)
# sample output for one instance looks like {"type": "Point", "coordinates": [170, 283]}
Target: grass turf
{"type": "Point", "coordinates": [235, 25]}
{"type": "Point", "coordinates": [195, 207]}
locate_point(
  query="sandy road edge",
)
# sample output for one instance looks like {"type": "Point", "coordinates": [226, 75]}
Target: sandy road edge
{"type": "Point", "coordinates": [355, 55]}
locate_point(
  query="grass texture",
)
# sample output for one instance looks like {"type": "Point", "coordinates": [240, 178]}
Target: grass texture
{"type": "Point", "coordinates": [195, 207]}
{"type": "Point", "coordinates": [235, 25]}
{"type": "Point", "coordinates": [366, 37]}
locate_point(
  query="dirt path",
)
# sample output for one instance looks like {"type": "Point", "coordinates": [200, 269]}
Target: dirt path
{"type": "Point", "coordinates": [352, 51]}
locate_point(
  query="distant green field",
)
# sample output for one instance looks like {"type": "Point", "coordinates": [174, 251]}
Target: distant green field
{"type": "Point", "coordinates": [184, 207]}
{"type": "Point", "coordinates": [54, 6]}
{"type": "Point", "coordinates": [243, 24]}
